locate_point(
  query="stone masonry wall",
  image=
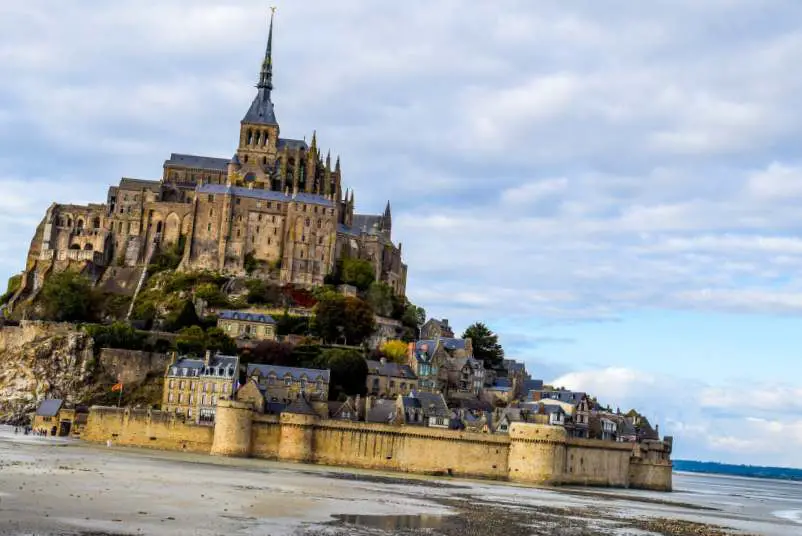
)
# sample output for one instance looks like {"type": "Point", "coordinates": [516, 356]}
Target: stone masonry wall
{"type": "Point", "coordinates": [131, 366]}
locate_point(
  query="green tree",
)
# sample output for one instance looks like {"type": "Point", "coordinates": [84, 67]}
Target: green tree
{"type": "Point", "coordinates": [212, 294]}
{"type": "Point", "coordinates": [191, 340]}
{"type": "Point", "coordinates": [358, 273]}
{"type": "Point", "coordinates": [263, 292]}
{"type": "Point", "coordinates": [218, 341]}
{"type": "Point", "coordinates": [68, 297]}
{"type": "Point", "coordinates": [184, 316]}
{"type": "Point", "coordinates": [272, 353]}
{"type": "Point", "coordinates": [348, 372]}
{"type": "Point", "coordinates": [485, 345]}
{"type": "Point", "coordinates": [116, 335]}
{"type": "Point", "coordinates": [380, 297]}
{"type": "Point", "coordinates": [358, 321]}
{"type": "Point", "coordinates": [329, 316]}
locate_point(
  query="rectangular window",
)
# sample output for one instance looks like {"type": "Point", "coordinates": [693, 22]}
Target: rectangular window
{"type": "Point", "coordinates": [209, 227]}
{"type": "Point", "coordinates": [211, 198]}
{"type": "Point", "coordinates": [237, 201]}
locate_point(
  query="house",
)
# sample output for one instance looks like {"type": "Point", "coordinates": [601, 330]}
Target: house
{"type": "Point", "coordinates": [192, 386]}
{"type": "Point", "coordinates": [555, 414]}
{"type": "Point", "coordinates": [434, 329]}
{"type": "Point", "coordinates": [388, 379]}
{"type": "Point", "coordinates": [580, 424]}
{"type": "Point", "coordinates": [285, 384]}
{"type": "Point", "coordinates": [440, 365]}
{"type": "Point", "coordinates": [253, 394]}
{"type": "Point", "coordinates": [380, 411]}
{"type": "Point", "coordinates": [501, 392]}
{"type": "Point", "coordinates": [609, 428]}
{"type": "Point", "coordinates": [346, 411]}
{"type": "Point", "coordinates": [53, 418]}
{"type": "Point", "coordinates": [424, 409]}
{"type": "Point", "coordinates": [247, 326]}
{"type": "Point", "coordinates": [505, 417]}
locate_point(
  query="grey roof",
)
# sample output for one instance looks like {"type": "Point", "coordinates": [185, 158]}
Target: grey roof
{"type": "Point", "coordinates": [246, 317]}
{"type": "Point", "coordinates": [274, 407]}
{"type": "Point", "coordinates": [447, 343]}
{"type": "Point", "coordinates": [503, 382]}
{"type": "Point", "coordinates": [569, 397]}
{"type": "Point", "coordinates": [291, 144]}
{"type": "Point", "coordinates": [365, 222]}
{"type": "Point", "coordinates": [533, 385]}
{"type": "Point", "coordinates": [49, 407]}
{"type": "Point", "coordinates": [390, 369]}
{"type": "Point", "coordinates": [514, 366]}
{"type": "Point", "coordinates": [194, 161]}
{"type": "Point", "coordinates": [197, 364]}
{"type": "Point", "coordinates": [381, 412]}
{"type": "Point", "coordinates": [294, 372]}
{"type": "Point", "coordinates": [270, 195]}
{"type": "Point", "coordinates": [139, 184]}
{"type": "Point", "coordinates": [300, 406]}
{"type": "Point", "coordinates": [261, 111]}
{"type": "Point", "coordinates": [433, 404]}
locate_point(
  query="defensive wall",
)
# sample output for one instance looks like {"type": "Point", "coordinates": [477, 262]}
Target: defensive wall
{"type": "Point", "coordinates": [531, 453]}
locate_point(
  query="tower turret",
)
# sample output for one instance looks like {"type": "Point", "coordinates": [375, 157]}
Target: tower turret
{"type": "Point", "coordinates": [311, 165]}
{"type": "Point", "coordinates": [387, 219]}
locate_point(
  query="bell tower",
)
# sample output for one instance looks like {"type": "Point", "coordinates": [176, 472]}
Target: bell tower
{"type": "Point", "coordinates": [257, 151]}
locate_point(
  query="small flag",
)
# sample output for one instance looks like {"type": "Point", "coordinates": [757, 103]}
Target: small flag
{"type": "Point", "coordinates": [117, 387]}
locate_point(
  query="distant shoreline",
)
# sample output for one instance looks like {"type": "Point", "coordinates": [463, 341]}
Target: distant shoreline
{"type": "Point", "coordinates": [745, 471]}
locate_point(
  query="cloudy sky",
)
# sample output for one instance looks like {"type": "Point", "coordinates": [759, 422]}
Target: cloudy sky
{"type": "Point", "coordinates": [612, 186]}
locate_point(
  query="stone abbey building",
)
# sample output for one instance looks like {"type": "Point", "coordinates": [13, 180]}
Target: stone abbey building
{"type": "Point", "coordinates": [276, 206]}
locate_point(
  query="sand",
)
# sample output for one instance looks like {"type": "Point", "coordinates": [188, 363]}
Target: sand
{"type": "Point", "coordinates": [62, 486]}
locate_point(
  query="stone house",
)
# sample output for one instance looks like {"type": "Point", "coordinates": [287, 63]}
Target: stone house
{"type": "Point", "coordinates": [580, 423]}
{"type": "Point", "coordinates": [192, 386]}
{"type": "Point", "coordinates": [440, 366]}
{"type": "Point", "coordinates": [251, 393]}
{"type": "Point", "coordinates": [349, 410]}
{"type": "Point", "coordinates": [435, 329]}
{"type": "Point", "coordinates": [55, 419]}
{"type": "Point", "coordinates": [382, 411]}
{"type": "Point", "coordinates": [388, 379]}
{"type": "Point", "coordinates": [285, 384]}
{"type": "Point", "coordinates": [424, 409]}
{"type": "Point", "coordinates": [247, 326]}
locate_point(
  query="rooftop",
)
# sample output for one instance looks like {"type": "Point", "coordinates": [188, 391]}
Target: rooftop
{"type": "Point", "coordinates": [195, 161]}
{"type": "Point", "coordinates": [270, 195]}
{"type": "Point", "coordinates": [246, 317]}
{"type": "Point", "coordinates": [294, 372]}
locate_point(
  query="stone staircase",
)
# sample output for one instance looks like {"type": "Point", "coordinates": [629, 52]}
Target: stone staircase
{"type": "Point", "coordinates": [148, 256]}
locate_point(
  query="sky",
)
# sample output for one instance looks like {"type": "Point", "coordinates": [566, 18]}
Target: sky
{"type": "Point", "coordinates": [613, 187]}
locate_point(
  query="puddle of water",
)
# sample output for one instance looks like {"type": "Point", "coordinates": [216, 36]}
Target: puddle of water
{"type": "Point", "coordinates": [395, 522]}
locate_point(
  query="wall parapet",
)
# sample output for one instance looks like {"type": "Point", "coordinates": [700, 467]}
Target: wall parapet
{"type": "Point", "coordinates": [531, 453]}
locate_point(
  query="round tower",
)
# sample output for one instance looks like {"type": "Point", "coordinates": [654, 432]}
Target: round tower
{"type": "Point", "coordinates": [232, 429]}
{"type": "Point", "coordinates": [537, 453]}
{"type": "Point", "coordinates": [298, 423]}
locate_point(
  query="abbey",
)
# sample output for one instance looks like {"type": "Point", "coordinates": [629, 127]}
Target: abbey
{"type": "Point", "coordinates": [276, 207]}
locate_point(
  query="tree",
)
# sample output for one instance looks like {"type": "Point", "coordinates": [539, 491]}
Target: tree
{"type": "Point", "coordinates": [395, 350]}
{"type": "Point", "coordinates": [359, 323]}
{"type": "Point", "coordinates": [380, 297]}
{"type": "Point", "coordinates": [485, 345]}
{"type": "Point", "coordinates": [212, 294]}
{"type": "Point", "coordinates": [14, 283]}
{"type": "Point", "coordinates": [413, 319]}
{"type": "Point", "coordinates": [329, 315]}
{"type": "Point", "coordinates": [191, 340]}
{"type": "Point", "coordinates": [68, 297]}
{"type": "Point", "coordinates": [272, 353]}
{"type": "Point", "coordinates": [358, 273]}
{"type": "Point", "coordinates": [348, 372]}
{"type": "Point", "coordinates": [183, 317]}
{"type": "Point", "coordinates": [218, 341]}
{"type": "Point", "coordinates": [116, 335]}
{"type": "Point", "coordinates": [263, 292]}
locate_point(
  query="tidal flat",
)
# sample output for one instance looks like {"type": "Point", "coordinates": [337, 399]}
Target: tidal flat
{"type": "Point", "coordinates": [58, 486]}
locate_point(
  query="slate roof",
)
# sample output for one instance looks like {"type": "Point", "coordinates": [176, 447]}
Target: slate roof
{"type": "Point", "coordinates": [195, 161]}
{"type": "Point", "coordinates": [514, 366]}
{"type": "Point", "coordinates": [503, 382]}
{"type": "Point", "coordinates": [433, 405]}
{"type": "Point", "coordinates": [291, 144]}
{"type": "Point", "coordinates": [391, 369]}
{"type": "Point", "coordinates": [261, 111]}
{"type": "Point", "coordinates": [569, 397]}
{"type": "Point", "coordinates": [300, 406]}
{"type": "Point", "coordinates": [268, 195]}
{"type": "Point", "coordinates": [139, 184]}
{"type": "Point", "coordinates": [246, 317]}
{"type": "Point", "coordinates": [533, 385]}
{"type": "Point", "coordinates": [294, 372]}
{"type": "Point", "coordinates": [381, 412]}
{"type": "Point", "coordinates": [365, 222]}
{"type": "Point", "coordinates": [447, 343]}
{"type": "Point", "coordinates": [197, 364]}
{"type": "Point", "coordinates": [49, 407]}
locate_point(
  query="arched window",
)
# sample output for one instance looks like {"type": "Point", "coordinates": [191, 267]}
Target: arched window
{"type": "Point", "coordinates": [249, 137]}
{"type": "Point", "coordinates": [319, 223]}
{"type": "Point", "coordinates": [96, 223]}
{"type": "Point", "coordinates": [159, 227]}
{"type": "Point", "coordinates": [88, 247]}
{"type": "Point", "coordinates": [80, 224]}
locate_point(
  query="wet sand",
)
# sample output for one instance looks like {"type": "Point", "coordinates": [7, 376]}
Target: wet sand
{"type": "Point", "coordinates": [56, 486]}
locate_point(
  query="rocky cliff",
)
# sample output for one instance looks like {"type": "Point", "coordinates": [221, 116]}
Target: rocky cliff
{"type": "Point", "coordinates": [43, 360]}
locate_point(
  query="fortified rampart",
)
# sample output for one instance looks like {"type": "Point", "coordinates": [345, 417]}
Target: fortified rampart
{"type": "Point", "coordinates": [531, 453]}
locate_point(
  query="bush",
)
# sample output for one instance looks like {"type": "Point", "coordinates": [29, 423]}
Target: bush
{"type": "Point", "coordinates": [116, 335]}
{"type": "Point", "coordinates": [348, 372]}
{"type": "Point", "coordinates": [184, 316]}
{"type": "Point", "coordinates": [211, 294]}
{"type": "Point", "coordinates": [263, 293]}
{"type": "Point", "coordinates": [14, 283]}
{"type": "Point", "coordinates": [357, 272]}
{"type": "Point", "coordinates": [69, 297]}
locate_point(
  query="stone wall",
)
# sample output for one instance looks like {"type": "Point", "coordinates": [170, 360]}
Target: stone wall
{"type": "Point", "coordinates": [132, 366]}
{"type": "Point", "coordinates": [532, 453]}
{"type": "Point", "coordinates": [146, 428]}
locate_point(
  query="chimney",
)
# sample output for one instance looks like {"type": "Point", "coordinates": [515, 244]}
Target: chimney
{"type": "Point", "coordinates": [208, 359]}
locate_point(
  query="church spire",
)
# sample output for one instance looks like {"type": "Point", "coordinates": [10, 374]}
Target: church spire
{"type": "Point", "coordinates": [266, 75]}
